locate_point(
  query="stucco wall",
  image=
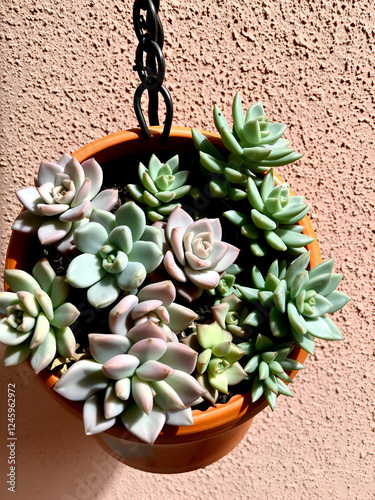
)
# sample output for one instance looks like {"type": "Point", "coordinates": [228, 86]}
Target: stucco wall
{"type": "Point", "coordinates": [66, 79]}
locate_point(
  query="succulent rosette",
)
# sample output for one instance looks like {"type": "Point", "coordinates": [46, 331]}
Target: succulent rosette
{"type": "Point", "coordinates": [139, 377]}
{"type": "Point", "coordinates": [162, 185]}
{"type": "Point", "coordinates": [118, 252]}
{"type": "Point", "coordinates": [235, 315]}
{"type": "Point", "coordinates": [36, 317]}
{"type": "Point", "coordinates": [195, 256]}
{"type": "Point", "coordinates": [154, 302]}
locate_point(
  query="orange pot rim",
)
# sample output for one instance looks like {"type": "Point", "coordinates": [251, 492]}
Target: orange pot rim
{"type": "Point", "coordinates": [239, 408]}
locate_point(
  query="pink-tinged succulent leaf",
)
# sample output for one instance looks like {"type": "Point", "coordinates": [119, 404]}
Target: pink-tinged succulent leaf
{"type": "Point", "coordinates": [83, 379]}
{"type": "Point", "coordinates": [146, 330]}
{"type": "Point", "coordinates": [176, 242]}
{"type": "Point", "coordinates": [216, 229]}
{"type": "Point", "coordinates": [103, 346]}
{"type": "Point", "coordinates": [143, 308]}
{"type": "Point", "coordinates": [201, 226]}
{"type": "Point", "coordinates": [179, 356]}
{"type": "Point", "coordinates": [173, 268]}
{"type": "Point", "coordinates": [8, 299]}
{"type": "Point", "coordinates": [201, 245]}
{"type": "Point", "coordinates": [178, 218]}
{"type": "Point", "coordinates": [185, 386]}
{"type": "Point", "coordinates": [120, 320]}
{"type": "Point", "coordinates": [148, 349]}
{"type": "Point", "coordinates": [104, 218]}
{"type": "Point", "coordinates": [211, 393]}
{"type": "Point", "coordinates": [64, 160]}
{"type": "Point", "coordinates": [44, 274]}
{"type": "Point", "coordinates": [41, 330]}
{"type": "Point", "coordinates": [164, 291]}
{"type": "Point", "coordinates": [120, 366]}
{"type": "Point", "coordinates": [90, 237]}
{"type": "Point", "coordinates": [47, 172]}
{"type": "Point", "coordinates": [219, 250]}
{"type": "Point", "coordinates": [188, 291]}
{"type": "Point", "coordinates": [15, 355]}
{"type": "Point", "coordinates": [94, 173]}
{"type": "Point", "coordinates": [166, 397]}
{"type": "Point", "coordinates": [10, 336]}
{"type": "Point", "coordinates": [85, 270]}
{"type": "Point", "coordinates": [153, 371]}
{"type": "Point", "coordinates": [66, 244]}
{"type": "Point", "coordinates": [181, 417]}
{"type": "Point", "coordinates": [132, 277]}
{"type": "Point", "coordinates": [104, 292]}
{"type": "Point", "coordinates": [105, 200]}
{"type": "Point", "coordinates": [30, 199]}
{"type": "Point", "coordinates": [82, 194]}
{"type": "Point", "coordinates": [29, 301]}
{"type": "Point", "coordinates": [142, 394]}
{"type": "Point", "coordinates": [121, 237]}
{"type": "Point", "coordinates": [51, 210]}
{"type": "Point", "coordinates": [76, 213]}
{"type": "Point", "coordinates": [112, 406]}
{"type": "Point", "coordinates": [19, 280]}
{"type": "Point", "coordinates": [196, 263]}
{"type": "Point", "coordinates": [64, 194]}
{"type": "Point", "coordinates": [123, 388]}
{"type": "Point", "coordinates": [219, 313]}
{"type": "Point", "coordinates": [131, 215]}
{"type": "Point", "coordinates": [205, 279]}
{"type": "Point", "coordinates": [43, 355]}
{"type": "Point", "coordinates": [143, 426]}
{"type": "Point", "coordinates": [93, 416]}
{"type": "Point", "coordinates": [27, 222]}
{"type": "Point", "coordinates": [75, 171]}
{"type": "Point", "coordinates": [65, 342]}
{"type": "Point", "coordinates": [64, 315]}
{"type": "Point", "coordinates": [45, 302]}
{"type": "Point", "coordinates": [228, 259]}
{"type": "Point", "coordinates": [53, 231]}
{"type": "Point", "coordinates": [180, 317]}
{"type": "Point", "coordinates": [44, 191]}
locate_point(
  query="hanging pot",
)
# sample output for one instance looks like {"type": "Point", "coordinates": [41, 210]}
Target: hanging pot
{"type": "Point", "coordinates": [220, 428]}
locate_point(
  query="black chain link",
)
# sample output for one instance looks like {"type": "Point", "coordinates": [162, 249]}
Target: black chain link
{"type": "Point", "coordinates": [150, 36]}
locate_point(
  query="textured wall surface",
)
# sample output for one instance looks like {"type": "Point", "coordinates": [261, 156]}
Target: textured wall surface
{"type": "Point", "coordinates": [66, 79]}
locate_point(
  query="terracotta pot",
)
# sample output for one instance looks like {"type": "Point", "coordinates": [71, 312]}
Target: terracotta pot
{"type": "Point", "coordinates": [217, 430]}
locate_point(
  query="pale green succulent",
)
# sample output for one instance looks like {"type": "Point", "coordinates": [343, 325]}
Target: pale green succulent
{"type": "Point", "coordinates": [254, 145]}
{"type": "Point", "coordinates": [273, 218]}
{"type": "Point", "coordinates": [299, 300]}
{"type": "Point", "coordinates": [235, 315]}
{"type": "Point", "coordinates": [162, 184]}
{"type": "Point", "coordinates": [217, 364]}
{"type": "Point", "coordinates": [36, 317]}
{"type": "Point", "coordinates": [118, 252]}
{"type": "Point", "coordinates": [140, 377]}
{"type": "Point", "coordinates": [267, 368]}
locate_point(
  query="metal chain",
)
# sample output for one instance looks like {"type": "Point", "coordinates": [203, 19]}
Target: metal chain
{"type": "Point", "coordinates": [150, 36]}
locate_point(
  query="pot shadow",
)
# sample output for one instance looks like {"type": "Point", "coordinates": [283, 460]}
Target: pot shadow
{"type": "Point", "coordinates": [53, 456]}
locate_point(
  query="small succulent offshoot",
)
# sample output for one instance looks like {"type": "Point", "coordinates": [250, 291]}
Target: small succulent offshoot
{"type": "Point", "coordinates": [162, 185]}
{"type": "Point", "coordinates": [36, 317]}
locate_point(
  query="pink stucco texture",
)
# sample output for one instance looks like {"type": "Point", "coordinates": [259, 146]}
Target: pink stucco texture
{"type": "Point", "coordinates": [67, 79]}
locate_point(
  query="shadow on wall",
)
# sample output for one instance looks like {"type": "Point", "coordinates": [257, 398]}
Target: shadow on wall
{"type": "Point", "coordinates": [53, 457]}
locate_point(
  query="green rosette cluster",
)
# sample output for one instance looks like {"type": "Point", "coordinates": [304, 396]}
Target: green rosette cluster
{"type": "Point", "coordinates": [254, 145]}
{"type": "Point", "coordinates": [162, 185]}
{"type": "Point", "coordinates": [297, 301]}
{"type": "Point", "coordinates": [267, 368]}
{"type": "Point", "coordinates": [273, 219]}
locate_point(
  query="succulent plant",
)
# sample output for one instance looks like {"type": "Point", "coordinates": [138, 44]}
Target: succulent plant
{"type": "Point", "coordinates": [155, 303]}
{"type": "Point", "coordinates": [235, 315]}
{"type": "Point", "coordinates": [139, 377]}
{"type": "Point", "coordinates": [162, 184]}
{"type": "Point", "coordinates": [118, 252]}
{"type": "Point", "coordinates": [299, 300]}
{"type": "Point", "coordinates": [66, 192]}
{"type": "Point", "coordinates": [217, 364]}
{"type": "Point", "coordinates": [196, 255]}
{"type": "Point", "coordinates": [36, 317]}
{"type": "Point", "coordinates": [273, 218]}
{"type": "Point", "coordinates": [267, 368]}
